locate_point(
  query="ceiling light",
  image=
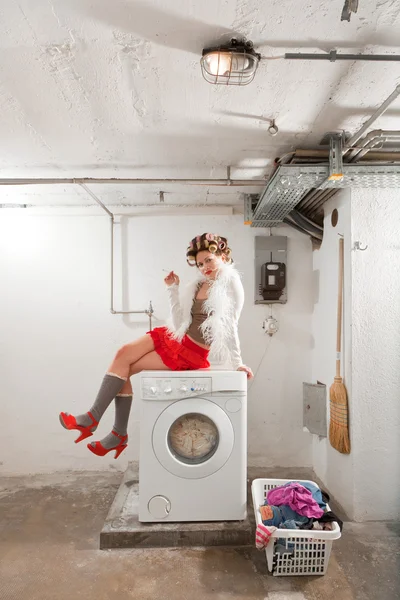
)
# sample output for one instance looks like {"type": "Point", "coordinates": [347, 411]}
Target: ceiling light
{"type": "Point", "coordinates": [234, 63]}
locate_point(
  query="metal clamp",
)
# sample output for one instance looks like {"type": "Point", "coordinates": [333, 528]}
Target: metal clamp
{"type": "Point", "coordinates": [357, 246]}
{"type": "Point", "coordinates": [335, 158]}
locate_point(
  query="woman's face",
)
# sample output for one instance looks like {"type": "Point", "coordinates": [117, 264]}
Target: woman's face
{"type": "Point", "coordinates": [209, 264]}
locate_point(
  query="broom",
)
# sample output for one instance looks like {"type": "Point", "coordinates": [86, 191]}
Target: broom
{"type": "Point", "coordinates": [338, 428]}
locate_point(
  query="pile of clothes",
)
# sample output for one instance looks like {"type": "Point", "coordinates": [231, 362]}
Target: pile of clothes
{"type": "Point", "coordinates": [294, 505]}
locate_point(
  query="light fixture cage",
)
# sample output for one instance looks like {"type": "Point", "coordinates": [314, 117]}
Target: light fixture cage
{"type": "Point", "coordinates": [230, 64]}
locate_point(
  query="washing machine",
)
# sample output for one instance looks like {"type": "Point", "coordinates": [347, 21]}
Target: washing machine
{"type": "Point", "coordinates": [193, 446]}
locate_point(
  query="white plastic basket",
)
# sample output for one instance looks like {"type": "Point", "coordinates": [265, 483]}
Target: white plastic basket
{"type": "Point", "coordinates": [294, 551]}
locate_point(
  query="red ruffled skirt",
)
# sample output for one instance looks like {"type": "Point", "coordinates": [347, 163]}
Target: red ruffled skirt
{"type": "Point", "coordinates": [178, 356]}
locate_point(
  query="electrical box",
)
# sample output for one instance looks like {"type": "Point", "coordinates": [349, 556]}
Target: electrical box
{"type": "Point", "coordinates": [314, 408]}
{"type": "Point", "coordinates": [270, 265]}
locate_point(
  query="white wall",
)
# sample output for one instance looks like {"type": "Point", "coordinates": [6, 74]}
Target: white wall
{"type": "Point", "coordinates": [376, 354]}
{"type": "Point", "coordinates": [366, 482]}
{"type": "Point", "coordinates": [58, 336]}
{"type": "Point", "coordinates": [333, 468]}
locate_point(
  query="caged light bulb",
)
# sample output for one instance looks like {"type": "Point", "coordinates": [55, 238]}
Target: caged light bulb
{"type": "Point", "coordinates": [219, 63]}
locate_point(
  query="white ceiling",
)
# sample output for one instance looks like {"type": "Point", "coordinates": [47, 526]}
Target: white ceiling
{"type": "Point", "coordinates": [100, 88]}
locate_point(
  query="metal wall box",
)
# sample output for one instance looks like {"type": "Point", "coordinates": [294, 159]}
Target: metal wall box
{"type": "Point", "coordinates": [270, 270]}
{"type": "Point", "coordinates": [314, 408]}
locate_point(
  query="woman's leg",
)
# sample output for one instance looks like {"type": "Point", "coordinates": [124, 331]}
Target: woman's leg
{"type": "Point", "coordinates": [116, 379]}
{"type": "Point", "coordinates": [123, 401]}
{"type": "Point", "coordinates": [130, 354]}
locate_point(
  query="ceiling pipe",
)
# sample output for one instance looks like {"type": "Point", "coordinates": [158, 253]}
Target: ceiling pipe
{"type": "Point", "coordinates": [316, 208]}
{"type": "Point", "coordinates": [371, 144]}
{"type": "Point", "coordinates": [293, 221]}
{"type": "Point", "coordinates": [140, 181]}
{"type": "Point", "coordinates": [380, 135]}
{"type": "Point", "coordinates": [381, 156]}
{"type": "Point", "coordinates": [310, 197]}
{"type": "Point", "coordinates": [333, 56]}
{"type": "Point", "coordinates": [315, 205]}
{"type": "Point", "coordinates": [351, 142]}
{"type": "Point", "coordinates": [307, 223]}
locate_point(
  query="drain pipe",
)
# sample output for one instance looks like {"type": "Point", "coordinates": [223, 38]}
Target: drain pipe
{"type": "Point", "coordinates": [149, 311]}
{"type": "Point", "coordinates": [352, 141]}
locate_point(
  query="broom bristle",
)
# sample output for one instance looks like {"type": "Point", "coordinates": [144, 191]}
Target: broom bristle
{"type": "Point", "coordinates": [338, 428]}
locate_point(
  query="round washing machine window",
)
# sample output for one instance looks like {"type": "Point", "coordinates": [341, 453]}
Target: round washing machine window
{"type": "Point", "coordinates": [193, 438]}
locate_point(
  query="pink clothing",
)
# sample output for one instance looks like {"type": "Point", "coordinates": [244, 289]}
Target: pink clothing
{"type": "Point", "coordinates": [298, 498]}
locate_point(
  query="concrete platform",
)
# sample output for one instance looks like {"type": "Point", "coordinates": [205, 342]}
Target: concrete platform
{"type": "Point", "coordinates": [122, 528]}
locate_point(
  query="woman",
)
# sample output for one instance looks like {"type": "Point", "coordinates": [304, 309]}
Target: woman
{"type": "Point", "coordinates": [204, 322]}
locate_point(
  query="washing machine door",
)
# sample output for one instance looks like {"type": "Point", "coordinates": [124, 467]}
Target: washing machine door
{"type": "Point", "coordinates": [193, 438]}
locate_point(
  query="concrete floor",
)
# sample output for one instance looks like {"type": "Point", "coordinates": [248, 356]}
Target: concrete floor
{"type": "Point", "coordinates": [49, 539]}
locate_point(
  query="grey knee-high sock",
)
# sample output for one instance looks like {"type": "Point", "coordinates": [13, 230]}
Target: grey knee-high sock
{"type": "Point", "coordinates": [123, 405]}
{"type": "Point", "coordinates": [109, 388]}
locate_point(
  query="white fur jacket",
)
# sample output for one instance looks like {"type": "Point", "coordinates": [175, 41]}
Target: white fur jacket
{"type": "Point", "coordinates": [223, 307]}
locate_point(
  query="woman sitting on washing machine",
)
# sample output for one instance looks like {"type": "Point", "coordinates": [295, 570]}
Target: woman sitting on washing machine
{"type": "Point", "coordinates": [204, 320]}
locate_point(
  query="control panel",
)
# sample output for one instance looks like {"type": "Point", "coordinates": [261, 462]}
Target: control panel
{"type": "Point", "coordinates": [161, 388]}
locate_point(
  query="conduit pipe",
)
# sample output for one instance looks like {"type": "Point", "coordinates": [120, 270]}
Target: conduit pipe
{"type": "Point", "coordinates": [372, 139]}
{"type": "Point", "coordinates": [149, 311]}
{"type": "Point", "coordinates": [351, 142]}
{"type": "Point", "coordinates": [333, 56]}
{"type": "Point", "coordinates": [87, 180]}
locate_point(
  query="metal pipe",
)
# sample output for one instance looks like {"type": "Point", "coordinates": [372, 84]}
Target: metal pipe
{"type": "Point", "coordinates": [377, 134]}
{"type": "Point", "coordinates": [309, 197]}
{"type": "Point", "coordinates": [291, 220]}
{"type": "Point", "coordinates": [372, 119]}
{"type": "Point", "coordinates": [333, 56]}
{"type": "Point", "coordinates": [315, 195]}
{"type": "Point", "coordinates": [149, 312]}
{"type": "Point", "coordinates": [315, 154]}
{"type": "Point", "coordinates": [306, 223]}
{"type": "Point", "coordinates": [317, 202]}
{"type": "Point", "coordinates": [330, 193]}
{"type": "Point", "coordinates": [371, 135]}
{"type": "Point", "coordinates": [88, 180]}
{"type": "Point", "coordinates": [371, 144]}
{"type": "Point", "coordinates": [96, 199]}
{"type": "Point", "coordinates": [367, 151]}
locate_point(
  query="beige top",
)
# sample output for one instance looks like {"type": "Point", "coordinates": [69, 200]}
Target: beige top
{"type": "Point", "coordinates": [198, 317]}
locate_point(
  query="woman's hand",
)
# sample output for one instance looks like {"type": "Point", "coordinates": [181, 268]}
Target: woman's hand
{"type": "Point", "coordinates": [247, 370]}
{"type": "Point", "coordinates": [171, 279]}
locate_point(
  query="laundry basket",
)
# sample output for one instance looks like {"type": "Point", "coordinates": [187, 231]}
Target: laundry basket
{"type": "Point", "coordinates": [294, 551]}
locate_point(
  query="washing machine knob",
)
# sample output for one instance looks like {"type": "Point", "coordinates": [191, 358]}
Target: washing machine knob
{"type": "Point", "coordinates": [168, 390]}
{"type": "Point", "coordinates": [153, 390]}
{"type": "Point", "coordinates": [183, 388]}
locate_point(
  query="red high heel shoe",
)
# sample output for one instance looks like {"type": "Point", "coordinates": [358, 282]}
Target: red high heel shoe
{"type": "Point", "coordinates": [99, 450]}
{"type": "Point", "coordinates": [69, 422]}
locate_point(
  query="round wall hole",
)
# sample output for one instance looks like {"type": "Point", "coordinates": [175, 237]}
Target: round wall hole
{"type": "Point", "coordinates": [334, 217]}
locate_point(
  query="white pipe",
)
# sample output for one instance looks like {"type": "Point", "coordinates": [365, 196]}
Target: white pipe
{"type": "Point", "coordinates": [148, 311]}
{"type": "Point", "coordinates": [88, 180]}
{"type": "Point", "coordinates": [372, 119]}
{"type": "Point", "coordinates": [96, 199]}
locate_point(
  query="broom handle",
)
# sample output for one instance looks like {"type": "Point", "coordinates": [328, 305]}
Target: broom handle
{"type": "Point", "coordinates": [339, 306]}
